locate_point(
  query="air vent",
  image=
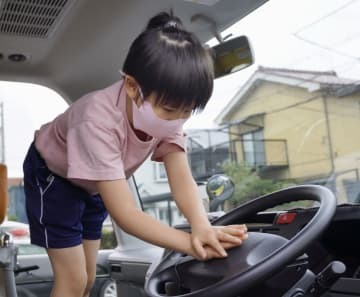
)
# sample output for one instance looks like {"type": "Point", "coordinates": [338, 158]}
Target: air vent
{"type": "Point", "coordinates": [36, 18]}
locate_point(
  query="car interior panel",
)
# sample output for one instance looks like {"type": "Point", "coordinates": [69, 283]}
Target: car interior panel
{"type": "Point", "coordinates": [290, 131]}
{"type": "Point", "coordinates": [70, 38]}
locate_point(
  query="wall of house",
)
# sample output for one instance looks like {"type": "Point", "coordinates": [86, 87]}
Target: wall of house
{"type": "Point", "coordinates": [344, 118]}
{"type": "Point", "coordinates": [293, 114]}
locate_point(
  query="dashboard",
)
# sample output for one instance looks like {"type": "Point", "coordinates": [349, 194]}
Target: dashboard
{"type": "Point", "coordinates": [339, 242]}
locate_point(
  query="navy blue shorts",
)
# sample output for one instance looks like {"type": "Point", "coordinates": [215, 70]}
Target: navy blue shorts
{"type": "Point", "coordinates": [60, 213]}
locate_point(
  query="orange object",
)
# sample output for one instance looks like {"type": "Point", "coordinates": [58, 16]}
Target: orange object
{"type": "Point", "coordinates": [3, 192]}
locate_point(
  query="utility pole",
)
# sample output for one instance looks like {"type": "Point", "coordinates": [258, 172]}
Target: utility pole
{"type": "Point", "coordinates": [330, 143]}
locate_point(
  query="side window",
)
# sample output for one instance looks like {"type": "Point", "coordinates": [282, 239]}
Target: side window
{"type": "Point", "coordinates": [108, 239]}
{"type": "Point", "coordinates": [160, 172]}
{"type": "Point", "coordinates": [24, 108]}
{"type": "Point", "coordinates": [207, 151]}
{"type": "Point", "coordinates": [153, 188]}
{"type": "Point", "coordinates": [253, 147]}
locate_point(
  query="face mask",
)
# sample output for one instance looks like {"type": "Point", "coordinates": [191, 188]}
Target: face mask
{"type": "Point", "coordinates": [146, 120]}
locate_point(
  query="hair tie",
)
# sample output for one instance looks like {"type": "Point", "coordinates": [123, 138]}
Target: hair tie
{"type": "Point", "coordinates": [171, 24]}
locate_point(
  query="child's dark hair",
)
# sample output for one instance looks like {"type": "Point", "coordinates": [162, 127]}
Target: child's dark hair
{"type": "Point", "coordinates": [172, 62]}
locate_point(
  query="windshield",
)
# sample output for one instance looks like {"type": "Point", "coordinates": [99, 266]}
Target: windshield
{"type": "Point", "coordinates": [289, 119]}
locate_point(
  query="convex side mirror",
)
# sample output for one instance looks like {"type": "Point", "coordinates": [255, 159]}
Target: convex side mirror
{"type": "Point", "coordinates": [219, 188]}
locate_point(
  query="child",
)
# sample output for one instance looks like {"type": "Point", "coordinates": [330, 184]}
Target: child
{"type": "Point", "coordinates": [75, 171]}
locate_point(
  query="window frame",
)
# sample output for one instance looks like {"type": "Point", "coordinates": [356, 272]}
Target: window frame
{"type": "Point", "coordinates": [160, 172]}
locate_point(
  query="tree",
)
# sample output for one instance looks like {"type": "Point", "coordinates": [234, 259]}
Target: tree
{"type": "Point", "coordinates": [248, 183]}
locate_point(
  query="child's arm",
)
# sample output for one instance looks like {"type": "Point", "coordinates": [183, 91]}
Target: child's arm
{"type": "Point", "coordinates": [119, 201]}
{"type": "Point", "coordinates": [185, 192]}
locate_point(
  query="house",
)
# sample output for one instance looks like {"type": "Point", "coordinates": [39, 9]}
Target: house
{"type": "Point", "coordinates": [298, 125]}
{"type": "Point", "coordinates": [207, 150]}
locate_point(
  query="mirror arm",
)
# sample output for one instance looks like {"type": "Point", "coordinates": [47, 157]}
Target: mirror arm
{"type": "Point", "coordinates": [213, 25]}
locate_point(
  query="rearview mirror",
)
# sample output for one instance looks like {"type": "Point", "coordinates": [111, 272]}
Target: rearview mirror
{"type": "Point", "coordinates": [232, 55]}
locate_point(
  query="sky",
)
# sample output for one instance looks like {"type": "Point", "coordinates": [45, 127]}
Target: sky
{"type": "Point", "coordinates": [298, 34]}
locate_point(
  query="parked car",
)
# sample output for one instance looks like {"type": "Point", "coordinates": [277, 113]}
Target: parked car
{"type": "Point", "coordinates": [33, 270]}
{"type": "Point", "coordinates": [37, 281]}
{"type": "Point", "coordinates": [19, 231]}
{"type": "Point", "coordinates": [291, 145]}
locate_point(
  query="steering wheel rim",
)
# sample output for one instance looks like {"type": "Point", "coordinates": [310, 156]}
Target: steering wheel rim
{"type": "Point", "coordinates": [276, 260]}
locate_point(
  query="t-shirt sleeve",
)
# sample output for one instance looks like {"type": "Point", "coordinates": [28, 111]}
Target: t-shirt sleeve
{"type": "Point", "coordinates": [94, 152]}
{"type": "Point", "coordinates": [169, 145]}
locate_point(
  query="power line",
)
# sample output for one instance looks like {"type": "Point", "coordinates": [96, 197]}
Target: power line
{"type": "Point", "coordinates": [294, 105]}
{"type": "Point", "coordinates": [325, 47]}
{"type": "Point", "coordinates": [297, 34]}
{"type": "Point", "coordinates": [336, 66]}
{"type": "Point", "coordinates": [333, 113]}
{"type": "Point", "coordinates": [279, 91]}
{"type": "Point", "coordinates": [326, 16]}
{"type": "Point", "coordinates": [312, 109]}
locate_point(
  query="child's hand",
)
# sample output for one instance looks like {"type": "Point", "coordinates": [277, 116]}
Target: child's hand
{"type": "Point", "coordinates": [211, 241]}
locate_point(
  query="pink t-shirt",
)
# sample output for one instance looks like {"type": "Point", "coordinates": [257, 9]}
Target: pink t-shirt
{"type": "Point", "coordinates": [93, 140]}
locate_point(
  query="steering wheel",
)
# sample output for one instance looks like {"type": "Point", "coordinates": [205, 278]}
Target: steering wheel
{"type": "Point", "coordinates": [260, 256]}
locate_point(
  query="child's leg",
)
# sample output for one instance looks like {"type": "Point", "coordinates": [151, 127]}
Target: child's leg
{"type": "Point", "coordinates": [91, 248]}
{"type": "Point", "coordinates": [55, 208]}
{"type": "Point", "coordinates": [92, 220]}
{"type": "Point", "coordinates": [69, 268]}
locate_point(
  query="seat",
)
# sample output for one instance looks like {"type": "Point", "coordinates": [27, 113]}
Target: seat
{"type": "Point", "coordinates": [3, 192]}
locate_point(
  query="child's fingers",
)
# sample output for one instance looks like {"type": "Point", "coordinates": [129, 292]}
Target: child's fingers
{"type": "Point", "coordinates": [235, 229]}
{"type": "Point", "coordinates": [206, 252]}
{"type": "Point", "coordinates": [199, 249]}
{"type": "Point", "coordinates": [211, 253]}
{"type": "Point", "coordinates": [231, 233]}
{"type": "Point", "coordinates": [213, 237]}
{"type": "Point", "coordinates": [226, 237]}
{"type": "Point", "coordinates": [242, 227]}
{"type": "Point", "coordinates": [229, 245]}
{"type": "Point", "coordinates": [214, 243]}
{"type": "Point", "coordinates": [226, 244]}
{"type": "Point", "coordinates": [233, 243]}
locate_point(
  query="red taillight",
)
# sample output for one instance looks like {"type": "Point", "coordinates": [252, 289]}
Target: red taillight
{"type": "Point", "coordinates": [18, 232]}
{"type": "Point", "coordinates": [285, 218]}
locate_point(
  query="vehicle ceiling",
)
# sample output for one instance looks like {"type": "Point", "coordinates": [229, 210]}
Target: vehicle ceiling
{"type": "Point", "coordinates": [79, 45]}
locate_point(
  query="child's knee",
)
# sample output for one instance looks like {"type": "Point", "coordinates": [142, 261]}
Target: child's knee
{"type": "Point", "coordinates": [71, 284]}
{"type": "Point", "coordinates": [79, 282]}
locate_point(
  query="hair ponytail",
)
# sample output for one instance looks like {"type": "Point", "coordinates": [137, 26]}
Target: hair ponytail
{"type": "Point", "coordinates": [171, 62]}
{"type": "Point", "coordinates": [164, 20]}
